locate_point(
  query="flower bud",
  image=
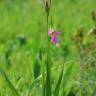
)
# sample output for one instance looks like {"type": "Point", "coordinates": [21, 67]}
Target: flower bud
{"type": "Point", "coordinates": [47, 6]}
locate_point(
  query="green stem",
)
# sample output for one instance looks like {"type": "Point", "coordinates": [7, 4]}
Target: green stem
{"type": "Point", "coordinates": [48, 79]}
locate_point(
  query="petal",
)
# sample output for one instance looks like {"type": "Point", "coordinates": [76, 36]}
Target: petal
{"type": "Point", "coordinates": [58, 33]}
{"type": "Point", "coordinates": [54, 40]}
{"type": "Point", "coordinates": [50, 32]}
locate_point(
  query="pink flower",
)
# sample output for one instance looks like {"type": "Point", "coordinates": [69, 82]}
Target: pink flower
{"type": "Point", "coordinates": [53, 34]}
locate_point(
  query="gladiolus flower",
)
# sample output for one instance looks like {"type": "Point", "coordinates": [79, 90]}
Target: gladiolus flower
{"type": "Point", "coordinates": [53, 34]}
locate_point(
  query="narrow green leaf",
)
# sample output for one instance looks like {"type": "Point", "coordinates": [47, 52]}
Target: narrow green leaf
{"type": "Point", "coordinates": [68, 79]}
{"type": "Point", "coordinates": [43, 78]}
{"type": "Point", "coordinates": [56, 92]}
{"type": "Point", "coordinates": [33, 84]}
{"type": "Point", "coordinates": [14, 91]}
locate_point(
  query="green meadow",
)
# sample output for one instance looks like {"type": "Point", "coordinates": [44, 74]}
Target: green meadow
{"type": "Point", "coordinates": [24, 69]}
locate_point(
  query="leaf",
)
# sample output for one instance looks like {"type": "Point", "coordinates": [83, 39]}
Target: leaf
{"type": "Point", "coordinates": [14, 91]}
{"type": "Point", "coordinates": [68, 78]}
{"type": "Point", "coordinates": [43, 78]}
{"type": "Point", "coordinates": [56, 92]}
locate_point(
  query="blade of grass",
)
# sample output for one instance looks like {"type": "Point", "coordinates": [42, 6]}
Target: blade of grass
{"type": "Point", "coordinates": [56, 92]}
{"type": "Point", "coordinates": [43, 78]}
{"type": "Point", "coordinates": [68, 79]}
{"type": "Point", "coordinates": [14, 91]}
{"type": "Point", "coordinates": [33, 84]}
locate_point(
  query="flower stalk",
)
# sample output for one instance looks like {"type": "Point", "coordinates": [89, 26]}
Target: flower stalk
{"type": "Point", "coordinates": [48, 75]}
{"type": "Point", "coordinates": [47, 87]}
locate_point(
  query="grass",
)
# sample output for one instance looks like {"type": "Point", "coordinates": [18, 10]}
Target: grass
{"type": "Point", "coordinates": [23, 49]}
